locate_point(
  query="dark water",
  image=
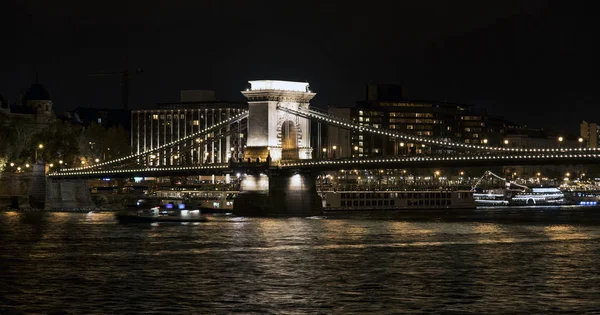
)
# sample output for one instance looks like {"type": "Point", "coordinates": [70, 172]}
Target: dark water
{"type": "Point", "coordinates": [489, 261]}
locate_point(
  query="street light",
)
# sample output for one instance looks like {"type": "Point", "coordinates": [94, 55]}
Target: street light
{"type": "Point", "coordinates": [12, 164]}
{"type": "Point", "coordinates": [40, 146]}
{"type": "Point", "coordinates": [485, 141]}
{"type": "Point", "coordinates": [334, 147]}
{"type": "Point", "coordinates": [560, 140]}
{"type": "Point", "coordinates": [505, 141]}
{"type": "Point", "coordinates": [324, 152]}
{"type": "Point", "coordinates": [60, 162]}
{"type": "Point", "coordinates": [97, 160]}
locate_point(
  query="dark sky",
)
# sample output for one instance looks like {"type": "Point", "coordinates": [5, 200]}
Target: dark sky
{"type": "Point", "coordinates": [535, 62]}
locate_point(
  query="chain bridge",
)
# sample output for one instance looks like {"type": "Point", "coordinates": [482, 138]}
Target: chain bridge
{"type": "Point", "coordinates": [277, 161]}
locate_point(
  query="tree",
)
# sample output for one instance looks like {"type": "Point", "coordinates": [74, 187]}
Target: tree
{"type": "Point", "coordinates": [60, 142]}
{"type": "Point", "coordinates": [104, 144]}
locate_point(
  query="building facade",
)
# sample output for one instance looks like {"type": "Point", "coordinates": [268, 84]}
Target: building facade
{"type": "Point", "coordinates": [590, 133]}
{"type": "Point", "coordinates": [388, 107]}
{"type": "Point", "coordinates": [152, 128]}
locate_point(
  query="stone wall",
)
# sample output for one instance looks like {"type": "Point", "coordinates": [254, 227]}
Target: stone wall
{"type": "Point", "coordinates": [14, 191]}
{"type": "Point", "coordinates": [288, 194]}
{"type": "Point", "coordinates": [68, 194]}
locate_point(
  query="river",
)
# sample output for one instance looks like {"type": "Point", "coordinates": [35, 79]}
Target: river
{"type": "Point", "coordinates": [496, 261]}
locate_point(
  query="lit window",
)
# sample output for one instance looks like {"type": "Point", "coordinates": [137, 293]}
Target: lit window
{"type": "Point", "coordinates": [360, 119]}
{"type": "Point", "coordinates": [196, 123]}
{"type": "Point", "coordinates": [99, 120]}
{"type": "Point", "coordinates": [360, 112]}
{"type": "Point", "coordinates": [410, 127]}
{"type": "Point", "coordinates": [154, 116]}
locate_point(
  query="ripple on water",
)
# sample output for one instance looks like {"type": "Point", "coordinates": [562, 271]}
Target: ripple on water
{"type": "Point", "coordinates": [87, 263]}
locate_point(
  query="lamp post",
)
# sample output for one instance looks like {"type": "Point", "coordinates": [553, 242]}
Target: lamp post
{"type": "Point", "coordinates": [580, 139]}
{"type": "Point", "coordinates": [560, 140]}
{"type": "Point", "coordinates": [356, 150]}
{"type": "Point", "coordinates": [40, 146]}
{"type": "Point", "coordinates": [485, 141]}
{"type": "Point", "coordinates": [402, 148]}
{"type": "Point", "coordinates": [324, 153]}
{"type": "Point", "coordinates": [333, 148]}
{"type": "Point", "coordinates": [506, 142]}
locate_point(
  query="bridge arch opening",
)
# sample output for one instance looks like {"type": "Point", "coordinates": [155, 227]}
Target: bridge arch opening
{"type": "Point", "coordinates": [289, 140]}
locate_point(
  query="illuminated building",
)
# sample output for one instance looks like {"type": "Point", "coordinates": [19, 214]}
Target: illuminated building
{"type": "Point", "coordinates": [197, 110]}
{"type": "Point", "coordinates": [589, 133]}
{"type": "Point", "coordinates": [387, 106]}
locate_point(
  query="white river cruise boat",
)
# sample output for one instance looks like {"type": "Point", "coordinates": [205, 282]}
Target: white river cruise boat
{"type": "Point", "coordinates": [396, 200]}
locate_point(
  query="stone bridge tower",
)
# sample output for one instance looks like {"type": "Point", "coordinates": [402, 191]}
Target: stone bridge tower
{"type": "Point", "coordinates": [281, 135]}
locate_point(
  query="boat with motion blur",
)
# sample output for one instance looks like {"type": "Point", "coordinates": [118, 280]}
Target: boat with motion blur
{"type": "Point", "coordinates": [158, 214]}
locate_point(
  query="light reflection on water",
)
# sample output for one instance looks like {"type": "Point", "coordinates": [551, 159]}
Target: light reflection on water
{"type": "Point", "coordinates": [501, 261]}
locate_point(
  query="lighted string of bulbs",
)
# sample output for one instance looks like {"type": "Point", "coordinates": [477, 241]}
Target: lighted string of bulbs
{"type": "Point", "coordinates": [421, 159]}
{"type": "Point", "coordinates": [362, 163]}
{"type": "Point", "coordinates": [221, 166]}
{"type": "Point", "coordinates": [188, 137]}
{"type": "Point", "coordinates": [312, 113]}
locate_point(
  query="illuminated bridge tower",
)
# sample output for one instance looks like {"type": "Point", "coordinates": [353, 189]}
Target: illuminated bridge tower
{"type": "Point", "coordinates": [270, 131]}
{"type": "Point", "coordinates": [283, 136]}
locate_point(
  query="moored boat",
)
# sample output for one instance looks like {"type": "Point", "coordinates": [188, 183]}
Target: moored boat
{"type": "Point", "coordinates": [397, 200]}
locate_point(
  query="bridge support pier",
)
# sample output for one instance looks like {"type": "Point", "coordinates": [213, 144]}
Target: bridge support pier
{"type": "Point", "coordinates": [287, 194]}
{"type": "Point", "coordinates": [68, 195]}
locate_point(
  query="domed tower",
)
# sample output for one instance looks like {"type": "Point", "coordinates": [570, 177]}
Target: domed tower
{"type": "Point", "coordinates": [38, 100]}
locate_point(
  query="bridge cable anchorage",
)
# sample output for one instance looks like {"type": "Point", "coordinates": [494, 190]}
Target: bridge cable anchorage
{"type": "Point", "coordinates": [189, 137]}
{"type": "Point", "coordinates": [322, 116]}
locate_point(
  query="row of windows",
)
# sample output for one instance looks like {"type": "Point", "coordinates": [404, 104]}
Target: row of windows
{"type": "Point", "coordinates": [471, 118]}
{"type": "Point", "coordinates": [368, 203]}
{"type": "Point", "coordinates": [417, 127]}
{"type": "Point", "coordinates": [370, 113]}
{"type": "Point", "coordinates": [392, 202]}
{"type": "Point", "coordinates": [408, 195]}
{"type": "Point", "coordinates": [427, 202]}
{"type": "Point", "coordinates": [370, 119]}
{"type": "Point", "coordinates": [415, 121]}
{"type": "Point", "coordinates": [416, 115]}
{"type": "Point", "coordinates": [405, 104]}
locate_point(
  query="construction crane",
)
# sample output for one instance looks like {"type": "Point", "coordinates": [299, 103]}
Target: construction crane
{"type": "Point", "coordinates": [125, 74]}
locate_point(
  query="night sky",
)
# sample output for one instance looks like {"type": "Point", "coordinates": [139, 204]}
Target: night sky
{"type": "Point", "coordinates": [534, 62]}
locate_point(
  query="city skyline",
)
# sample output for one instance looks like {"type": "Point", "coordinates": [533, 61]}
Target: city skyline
{"type": "Point", "coordinates": [529, 62]}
